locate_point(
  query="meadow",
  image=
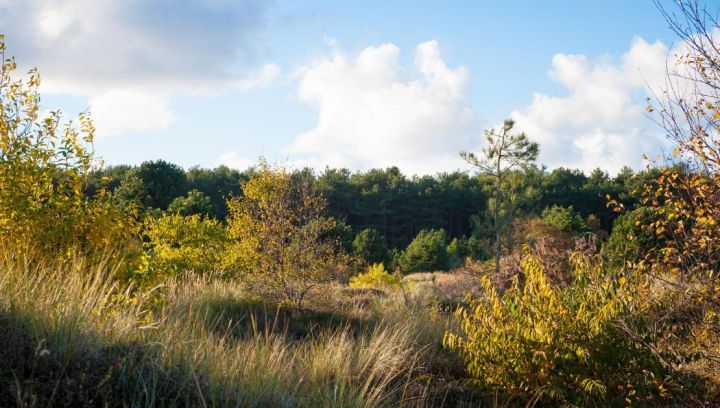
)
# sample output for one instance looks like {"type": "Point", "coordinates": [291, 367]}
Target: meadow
{"type": "Point", "coordinates": [512, 285]}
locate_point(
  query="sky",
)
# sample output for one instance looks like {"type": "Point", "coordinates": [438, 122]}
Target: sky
{"type": "Point", "coordinates": [355, 84]}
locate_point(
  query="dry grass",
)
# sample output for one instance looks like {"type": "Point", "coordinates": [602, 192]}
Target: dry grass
{"type": "Point", "coordinates": [72, 337]}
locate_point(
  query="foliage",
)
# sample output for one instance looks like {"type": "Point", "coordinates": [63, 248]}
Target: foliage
{"type": "Point", "coordinates": [283, 245]}
{"type": "Point", "coordinates": [564, 218]}
{"type": "Point", "coordinates": [456, 253]}
{"type": "Point", "coordinates": [551, 246]}
{"type": "Point", "coordinates": [375, 277]}
{"type": "Point", "coordinates": [370, 246]}
{"type": "Point", "coordinates": [43, 168]}
{"type": "Point", "coordinates": [154, 184]}
{"type": "Point", "coordinates": [687, 220]}
{"type": "Point", "coordinates": [186, 243]}
{"type": "Point", "coordinates": [504, 153]}
{"type": "Point", "coordinates": [398, 206]}
{"type": "Point", "coordinates": [106, 178]}
{"type": "Point", "coordinates": [427, 252]}
{"type": "Point", "coordinates": [460, 249]}
{"type": "Point", "coordinates": [218, 184]}
{"type": "Point", "coordinates": [558, 343]}
{"type": "Point", "coordinates": [631, 238]}
{"type": "Point", "coordinates": [195, 202]}
{"type": "Point", "coordinates": [566, 187]}
{"type": "Point", "coordinates": [685, 197]}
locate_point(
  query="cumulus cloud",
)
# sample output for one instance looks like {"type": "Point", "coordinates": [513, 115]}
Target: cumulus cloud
{"type": "Point", "coordinates": [602, 121]}
{"type": "Point", "coordinates": [118, 110]}
{"type": "Point", "coordinates": [136, 54]}
{"type": "Point", "coordinates": [235, 160]}
{"type": "Point", "coordinates": [374, 112]}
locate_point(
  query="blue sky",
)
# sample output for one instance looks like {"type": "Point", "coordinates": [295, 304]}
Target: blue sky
{"type": "Point", "coordinates": [355, 84]}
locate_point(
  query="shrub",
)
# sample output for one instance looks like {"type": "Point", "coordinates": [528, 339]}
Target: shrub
{"type": "Point", "coordinates": [195, 202]}
{"type": "Point", "coordinates": [282, 246]}
{"type": "Point", "coordinates": [631, 237]}
{"type": "Point", "coordinates": [375, 277]}
{"type": "Point", "coordinates": [456, 255]}
{"type": "Point", "coordinates": [370, 246]}
{"type": "Point", "coordinates": [181, 244]}
{"type": "Point", "coordinates": [343, 233]}
{"type": "Point", "coordinates": [564, 218]}
{"type": "Point", "coordinates": [427, 252]}
{"type": "Point", "coordinates": [44, 165]}
{"type": "Point", "coordinates": [558, 343]}
{"type": "Point", "coordinates": [459, 249]}
{"type": "Point", "coordinates": [551, 246]}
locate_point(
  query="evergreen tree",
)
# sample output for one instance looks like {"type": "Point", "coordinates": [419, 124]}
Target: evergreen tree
{"type": "Point", "coordinates": [504, 153]}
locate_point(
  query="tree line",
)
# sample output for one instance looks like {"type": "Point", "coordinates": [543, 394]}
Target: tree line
{"type": "Point", "coordinates": [395, 205]}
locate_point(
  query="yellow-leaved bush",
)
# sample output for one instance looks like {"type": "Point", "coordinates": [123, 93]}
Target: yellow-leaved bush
{"type": "Point", "coordinates": [186, 243]}
{"type": "Point", "coordinates": [544, 342]}
{"type": "Point", "coordinates": [282, 246]}
{"type": "Point", "coordinates": [44, 164]}
{"type": "Point", "coordinates": [375, 277]}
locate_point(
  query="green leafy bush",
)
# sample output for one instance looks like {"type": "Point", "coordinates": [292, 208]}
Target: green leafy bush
{"type": "Point", "coordinates": [631, 237]}
{"type": "Point", "coordinates": [459, 249]}
{"type": "Point", "coordinates": [195, 202]}
{"type": "Point", "coordinates": [370, 246]}
{"type": "Point", "coordinates": [564, 218]}
{"type": "Point", "coordinates": [427, 252]}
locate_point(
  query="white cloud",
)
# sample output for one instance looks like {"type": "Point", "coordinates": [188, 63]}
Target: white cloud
{"type": "Point", "coordinates": [128, 56]}
{"type": "Point", "coordinates": [127, 109]}
{"type": "Point", "coordinates": [602, 121]}
{"type": "Point", "coordinates": [263, 77]}
{"type": "Point", "coordinates": [52, 23]}
{"type": "Point", "coordinates": [235, 160]}
{"type": "Point", "coordinates": [373, 112]}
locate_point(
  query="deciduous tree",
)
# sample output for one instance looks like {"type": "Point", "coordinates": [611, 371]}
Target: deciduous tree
{"type": "Point", "coordinates": [283, 244]}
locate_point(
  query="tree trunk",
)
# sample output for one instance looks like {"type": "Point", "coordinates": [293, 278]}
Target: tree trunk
{"type": "Point", "coordinates": [497, 229]}
{"type": "Point", "coordinates": [498, 193]}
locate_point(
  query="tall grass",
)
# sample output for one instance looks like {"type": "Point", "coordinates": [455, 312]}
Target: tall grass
{"type": "Point", "coordinates": [72, 336]}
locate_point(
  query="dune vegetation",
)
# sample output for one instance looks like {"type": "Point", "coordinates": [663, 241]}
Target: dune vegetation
{"type": "Point", "coordinates": [150, 285]}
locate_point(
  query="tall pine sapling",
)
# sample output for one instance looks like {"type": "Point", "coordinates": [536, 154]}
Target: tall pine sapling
{"type": "Point", "coordinates": [504, 153]}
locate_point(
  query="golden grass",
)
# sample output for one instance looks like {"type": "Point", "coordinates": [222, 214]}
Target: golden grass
{"type": "Point", "coordinates": [73, 336]}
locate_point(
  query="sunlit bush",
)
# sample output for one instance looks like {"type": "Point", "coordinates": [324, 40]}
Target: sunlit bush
{"type": "Point", "coordinates": [282, 244]}
{"type": "Point", "coordinates": [375, 277]}
{"type": "Point", "coordinates": [460, 249]}
{"type": "Point", "coordinates": [631, 238]}
{"type": "Point", "coordinates": [44, 165]}
{"type": "Point", "coordinates": [544, 342]}
{"type": "Point", "coordinates": [180, 244]}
